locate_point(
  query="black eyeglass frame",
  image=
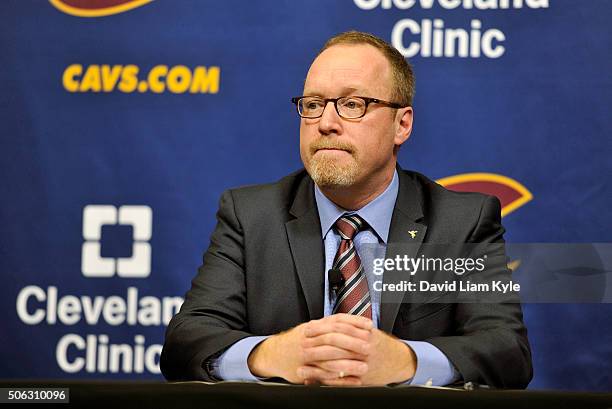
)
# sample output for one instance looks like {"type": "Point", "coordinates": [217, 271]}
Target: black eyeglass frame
{"type": "Point", "coordinates": [367, 101]}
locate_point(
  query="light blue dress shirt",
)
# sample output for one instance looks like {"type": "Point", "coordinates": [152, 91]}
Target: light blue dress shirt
{"type": "Point", "coordinates": [433, 367]}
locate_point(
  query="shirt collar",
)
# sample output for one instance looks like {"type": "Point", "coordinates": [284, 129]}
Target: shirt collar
{"type": "Point", "coordinates": [377, 213]}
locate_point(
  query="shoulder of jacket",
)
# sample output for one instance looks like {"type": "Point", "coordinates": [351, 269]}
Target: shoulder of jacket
{"type": "Point", "coordinates": [437, 200]}
{"type": "Point", "coordinates": [268, 197]}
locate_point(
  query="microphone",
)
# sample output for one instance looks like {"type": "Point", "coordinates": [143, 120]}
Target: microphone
{"type": "Point", "coordinates": [336, 281]}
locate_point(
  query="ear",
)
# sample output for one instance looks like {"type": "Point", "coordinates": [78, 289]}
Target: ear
{"type": "Point", "coordinates": [403, 119]}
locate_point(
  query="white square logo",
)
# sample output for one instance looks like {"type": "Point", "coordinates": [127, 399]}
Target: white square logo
{"type": "Point", "coordinates": [96, 216]}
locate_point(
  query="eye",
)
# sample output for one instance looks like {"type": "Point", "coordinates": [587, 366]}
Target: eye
{"type": "Point", "coordinates": [352, 104]}
{"type": "Point", "coordinates": [312, 104]}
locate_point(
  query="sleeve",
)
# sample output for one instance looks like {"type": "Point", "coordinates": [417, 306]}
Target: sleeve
{"type": "Point", "coordinates": [232, 364]}
{"type": "Point", "coordinates": [490, 346]}
{"type": "Point", "coordinates": [433, 367]}
{"type": "Point", "coordinates": [213, 316]}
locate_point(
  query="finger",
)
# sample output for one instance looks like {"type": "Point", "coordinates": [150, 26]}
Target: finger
{"type": "Point", "coordinates": [356, 320]}
{"type": "Point", "coordinates": [314, 373]}
{"type": "Point", "coordinates": [320, 377]}
{"type": "Point", "coordinates": [346, 381]}
{"type": "Point", "coordinates": [340, 368]}
{"type": "Point", "coordinates": [319, 328]}
{"type": "Point", "coordinates": [344, 366]}
{"type": "Point", "coordinates": [343, 370]}
{"type": "Point", "coordinates": [328, 352]}
{"type": "Point", "coordinates": [343, 341]}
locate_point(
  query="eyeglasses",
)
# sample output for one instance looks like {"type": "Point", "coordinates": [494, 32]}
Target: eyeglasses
{"type": "Point", "coordinates": [346, 107]}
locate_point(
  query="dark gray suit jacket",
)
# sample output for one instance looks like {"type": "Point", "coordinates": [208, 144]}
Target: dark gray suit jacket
{"type": "Point", "coordinates": [264, 273]}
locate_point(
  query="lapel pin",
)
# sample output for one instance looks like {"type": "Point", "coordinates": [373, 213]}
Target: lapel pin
{"type": "Point", "coordinates": [413, 233]}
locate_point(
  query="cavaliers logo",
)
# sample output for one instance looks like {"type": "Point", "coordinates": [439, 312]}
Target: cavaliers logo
{"type": "Point", "coordinates": [510, 193]}
{"type": "Point", "coordinates": [96, 8]}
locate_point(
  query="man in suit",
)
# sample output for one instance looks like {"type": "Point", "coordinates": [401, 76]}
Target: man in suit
{"type": "Point", "coordinates": [262, 305]}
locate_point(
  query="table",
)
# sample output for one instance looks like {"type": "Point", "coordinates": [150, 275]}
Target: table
{"type": "Point", "coordinates": [249, 395]}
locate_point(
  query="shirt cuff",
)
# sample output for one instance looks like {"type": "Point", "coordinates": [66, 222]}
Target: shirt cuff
{"type": "Point", "coordinates": [232, 365]}
{"type": "Point", "coordinates": [433, 367]}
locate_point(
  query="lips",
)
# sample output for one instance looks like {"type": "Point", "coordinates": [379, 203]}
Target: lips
{"type": "Point", "coordinates": [331, 146]}
{"type": "Point", "coordinates": [332, 150]}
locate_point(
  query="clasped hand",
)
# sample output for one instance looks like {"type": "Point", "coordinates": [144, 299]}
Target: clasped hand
{"type": "Point", "coordinates": [338, 350]}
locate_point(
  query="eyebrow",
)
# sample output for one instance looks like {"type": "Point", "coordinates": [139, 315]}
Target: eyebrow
{"type": "Point", "coordinates": [344, 91]}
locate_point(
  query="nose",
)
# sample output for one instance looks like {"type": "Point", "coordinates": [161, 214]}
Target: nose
{"type": "Point", "coordinates": [330, 122]}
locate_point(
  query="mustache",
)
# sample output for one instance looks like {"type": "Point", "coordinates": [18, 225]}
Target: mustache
{"type": "Point", "coordinates": [331, 144]}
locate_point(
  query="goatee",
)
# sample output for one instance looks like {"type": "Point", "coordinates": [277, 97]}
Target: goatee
{"type": "Point", "coordinates": [325, 170]}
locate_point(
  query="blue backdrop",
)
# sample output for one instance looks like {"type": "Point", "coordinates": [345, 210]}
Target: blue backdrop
{"type": "Point", "coordinates": [124, 120]}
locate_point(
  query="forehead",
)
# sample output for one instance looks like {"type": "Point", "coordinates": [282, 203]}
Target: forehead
{"type": "Point", "coordinates": [349, 68]}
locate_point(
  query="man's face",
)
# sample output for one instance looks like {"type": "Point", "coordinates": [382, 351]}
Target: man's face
{"type": "Point", "coordinates": [340, 152]}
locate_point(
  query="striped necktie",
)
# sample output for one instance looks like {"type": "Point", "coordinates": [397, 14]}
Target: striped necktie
{"type": "Point", "coordinates": [354, 296]}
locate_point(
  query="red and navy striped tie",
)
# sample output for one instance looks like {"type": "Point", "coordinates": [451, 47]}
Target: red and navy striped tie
{"type": "Point", "coordinates": [354, 296]}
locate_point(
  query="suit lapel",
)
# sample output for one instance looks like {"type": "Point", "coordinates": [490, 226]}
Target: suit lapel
{"type": "Point", "coordinates": [306, 243]}
{"type": "Point", "coordinates": [406, 222]}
